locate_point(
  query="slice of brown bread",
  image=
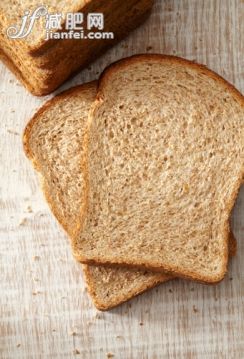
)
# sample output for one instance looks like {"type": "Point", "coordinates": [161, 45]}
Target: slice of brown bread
{"type": "Point", "coordinates": [50, 140]}
{"type": "Point", "coordinates": [53, 141]}
{"type": "Point", "coordinates": [165, 162]}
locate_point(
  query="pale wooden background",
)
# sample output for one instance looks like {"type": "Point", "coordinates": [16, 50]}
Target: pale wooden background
{"type": "Point", "coordinates": [43, 299]}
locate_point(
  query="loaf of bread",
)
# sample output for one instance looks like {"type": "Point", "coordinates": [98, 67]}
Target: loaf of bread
{"type": "Point", "coordinates": [165, 162]}
{"type": "Point", "coordinates": [44, 65]}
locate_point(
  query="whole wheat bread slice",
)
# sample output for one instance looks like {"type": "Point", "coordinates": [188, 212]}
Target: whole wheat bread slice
{"type": "Point", "coordinates": [53, 140]}
{"type": "Point", "coordinates": [47, 140]}
{"type": "Point", "coordinates": [165, 163]}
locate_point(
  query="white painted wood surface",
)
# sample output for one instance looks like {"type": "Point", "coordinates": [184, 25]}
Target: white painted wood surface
{"type": "Point", "coordinates": [43, 298]}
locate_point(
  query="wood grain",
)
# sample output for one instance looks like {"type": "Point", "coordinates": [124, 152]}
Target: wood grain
{"type": "Point", "coordinates": [43, 298]}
